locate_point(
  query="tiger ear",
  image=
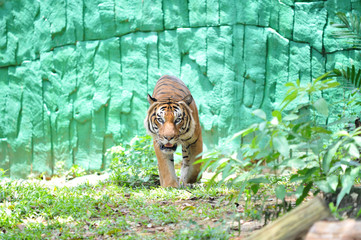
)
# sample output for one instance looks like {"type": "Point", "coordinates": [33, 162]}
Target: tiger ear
{"type": "Point", "coordinates": [188, 99]}
{"type": "Point", "coordinates": [151, 100]}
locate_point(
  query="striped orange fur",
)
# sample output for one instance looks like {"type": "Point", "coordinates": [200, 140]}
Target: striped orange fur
{"type": "Point", "coordinates": [173, 120]}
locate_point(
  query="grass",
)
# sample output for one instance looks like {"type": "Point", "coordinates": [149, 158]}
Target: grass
{"type": "Point", "coordinates": [109, 211]}
{"type": "Point", "coordinates": [34, 210]}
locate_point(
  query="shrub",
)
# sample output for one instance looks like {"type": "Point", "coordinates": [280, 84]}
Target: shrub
{"type": "Point", "coordinates": [293, 140]}
{"type": "Point", "coordinates": [134, 163]}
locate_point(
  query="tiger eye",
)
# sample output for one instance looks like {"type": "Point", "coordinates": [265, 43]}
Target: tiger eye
{"type": "Point", "coordinates": [160, 120]}
{"type": "Point", "coordinates": [178, 120]}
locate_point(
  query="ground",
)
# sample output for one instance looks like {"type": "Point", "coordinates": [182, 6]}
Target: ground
{"type": "Point", "coordinates": [92, 207]}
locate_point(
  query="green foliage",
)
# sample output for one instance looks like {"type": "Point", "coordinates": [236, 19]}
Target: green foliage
{"type": "Point", "coordinates": [3, 173]}
{"type": "Point", "coordinates": [134, 163]}
{"type": "Point", "coordinates": [349, 29]}
{"type": "Point", "coordinates": [61, 171]}
{"type": "Point", "coordinates": [217, 233]}
{"type": "Point", "coordinates": [293, 141]}
{"type": "Point", "coordinates": [30, 210]}
{"type": "Point", "coordinates": [350, 74]}
{"type": "Point", "coordinates": [336, 212]}
{"type": "Point", "coordinates": [76, 171]}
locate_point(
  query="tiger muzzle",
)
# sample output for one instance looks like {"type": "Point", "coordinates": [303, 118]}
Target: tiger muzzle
{"type": "Point", "coordinates": [167, 148]}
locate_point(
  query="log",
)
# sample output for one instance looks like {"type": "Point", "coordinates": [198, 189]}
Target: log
{"type": "Point", "coordinates": [295, 223]}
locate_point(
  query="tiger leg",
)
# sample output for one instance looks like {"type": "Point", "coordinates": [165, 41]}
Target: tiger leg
{"type": "Point", "coordinates": [167, 175]}
{"type": "Point", "coordinates": [189, 170]}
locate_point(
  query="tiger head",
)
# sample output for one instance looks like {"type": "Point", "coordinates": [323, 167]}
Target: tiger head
{"type": "Point", "coordinates": [169, 122]}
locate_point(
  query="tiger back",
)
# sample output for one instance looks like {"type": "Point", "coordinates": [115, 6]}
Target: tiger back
{"type": "Point", "coordinates": [172, 119]}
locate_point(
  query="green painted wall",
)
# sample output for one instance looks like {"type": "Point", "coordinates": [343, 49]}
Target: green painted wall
{"type": "Point", "coordinates": [74, 74]}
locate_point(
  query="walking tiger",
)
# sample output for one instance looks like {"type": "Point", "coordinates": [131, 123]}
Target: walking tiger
{"type": "Point", "coordinates": [172, 120]}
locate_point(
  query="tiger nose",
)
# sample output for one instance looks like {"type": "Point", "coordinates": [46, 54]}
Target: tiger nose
{"type": "Point", "coordinates": [168, 138]}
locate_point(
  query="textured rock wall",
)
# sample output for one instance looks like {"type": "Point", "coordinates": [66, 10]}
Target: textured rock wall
{"type": "Point", "coordinates": [74, 74]}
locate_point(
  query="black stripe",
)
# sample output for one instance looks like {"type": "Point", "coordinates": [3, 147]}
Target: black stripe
{"type": "Point", "coordinates": [194, 142]}
{"type": "Point", "coordinates": [187, 130]}
{"type": "Point", "coordinates": [188, 139]}
{"type": "Point", "coordinates": [166, 93]}
{"type": "Point", "coordinates": [179, 89]}
{"type": "Point", "coordinates": [149, 127]}
{"type": "Point", "coordinates": [162, 84]}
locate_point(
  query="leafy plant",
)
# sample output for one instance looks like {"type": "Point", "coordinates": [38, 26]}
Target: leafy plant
{"type": "Point", "coordinates": [134, 163]}
{"type": "Point", "coordinates": [350, 28]}
{"type": "Point", "coordinates": [3, 173]}
{"type": "Point", "coordinates": [293, 141]}
{"type": "Point", "coordinates": [336, 212]}
{"type": "Point", "coordinates": [350, 74]}
{"type": "Point", "coordinates": [75, 171]}
{"type": "Point", "coordinates": [206, 234]}
{"type": "Point", "coordinates": [29, 210]}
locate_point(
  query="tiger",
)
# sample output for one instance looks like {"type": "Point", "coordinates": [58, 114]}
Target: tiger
{"type": "Point", "coordinates": [172, 119]}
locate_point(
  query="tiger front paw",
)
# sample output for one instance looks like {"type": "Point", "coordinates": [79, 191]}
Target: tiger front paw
{"type": "Point", "coordinates": [172, 183]}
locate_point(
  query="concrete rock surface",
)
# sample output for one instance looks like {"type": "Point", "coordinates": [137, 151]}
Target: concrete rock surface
{"type": "Point", "coordinates": [74, 75]}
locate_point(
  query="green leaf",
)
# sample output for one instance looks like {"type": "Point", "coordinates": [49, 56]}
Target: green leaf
{"type": "Point", "coordinates": [304, 193]}
{"type": "Point", "coordinates": [227, 171]}
{"type": "Point", "coordinates": [327, 74]}
{"type": "Point", "coordinates": [333, 182]}
{"type": "Point", "coordinates": [113, 231]}
{"type": "Point", "coordinates": [347, 183]}
{"type": "Point", "coordinates": [245, 132]}
{"type": "Point", "coordinates": [278, 115]}
{"type": "Point", "coordinates": [259, 180]}
{"type": "Point", "coordinates": [299, 191]}
{"type": "Point", "coordinates": [317, 146]}
{"type": "Point", "coordinates": [291, 117]}
{"type": "Point", "coordinates": [326, 161]}
{"type": "Point", "coordinates": [353, 151]}
{"type": "Point", "coordinates": [280, 143]}
{"type": "Point", "coordinates": [321, 130]}
{"type": "Point", "coordinates": [337, 72]}
{"type": "Point", "coordinates": [353, 74]}
{"type": "Point", "coordinates": [189, 208]}
{"type": "Point", "coordinates": [289, 98]}
{"type": "Point", "coordinates": [324, 186]}
{"type": "Point", "coordinates": [296, 163]}
{"type": "Point", "coordinates": [351, 28]}
{"type": "Point", "coordinates": [289, 84]}
{"type": "Point", "coordinates": [321, 106]}
{"type": "Point", "coordinates": [260, 113]}
{"type": "Point", "coordinates": [280, 192]}
{"type": "Point", "coordinates": [255, 187]}
{"type": "Point", "coordinates": [262, 126]}
{"type": "Point", "coordinates": [342, 133]}
{"type": "Point", "coordinates": [357, 139]}
{"type": "Point", "coordinates": [358, 79]}
{"type": "Point", "coordinates": [330, 85]}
